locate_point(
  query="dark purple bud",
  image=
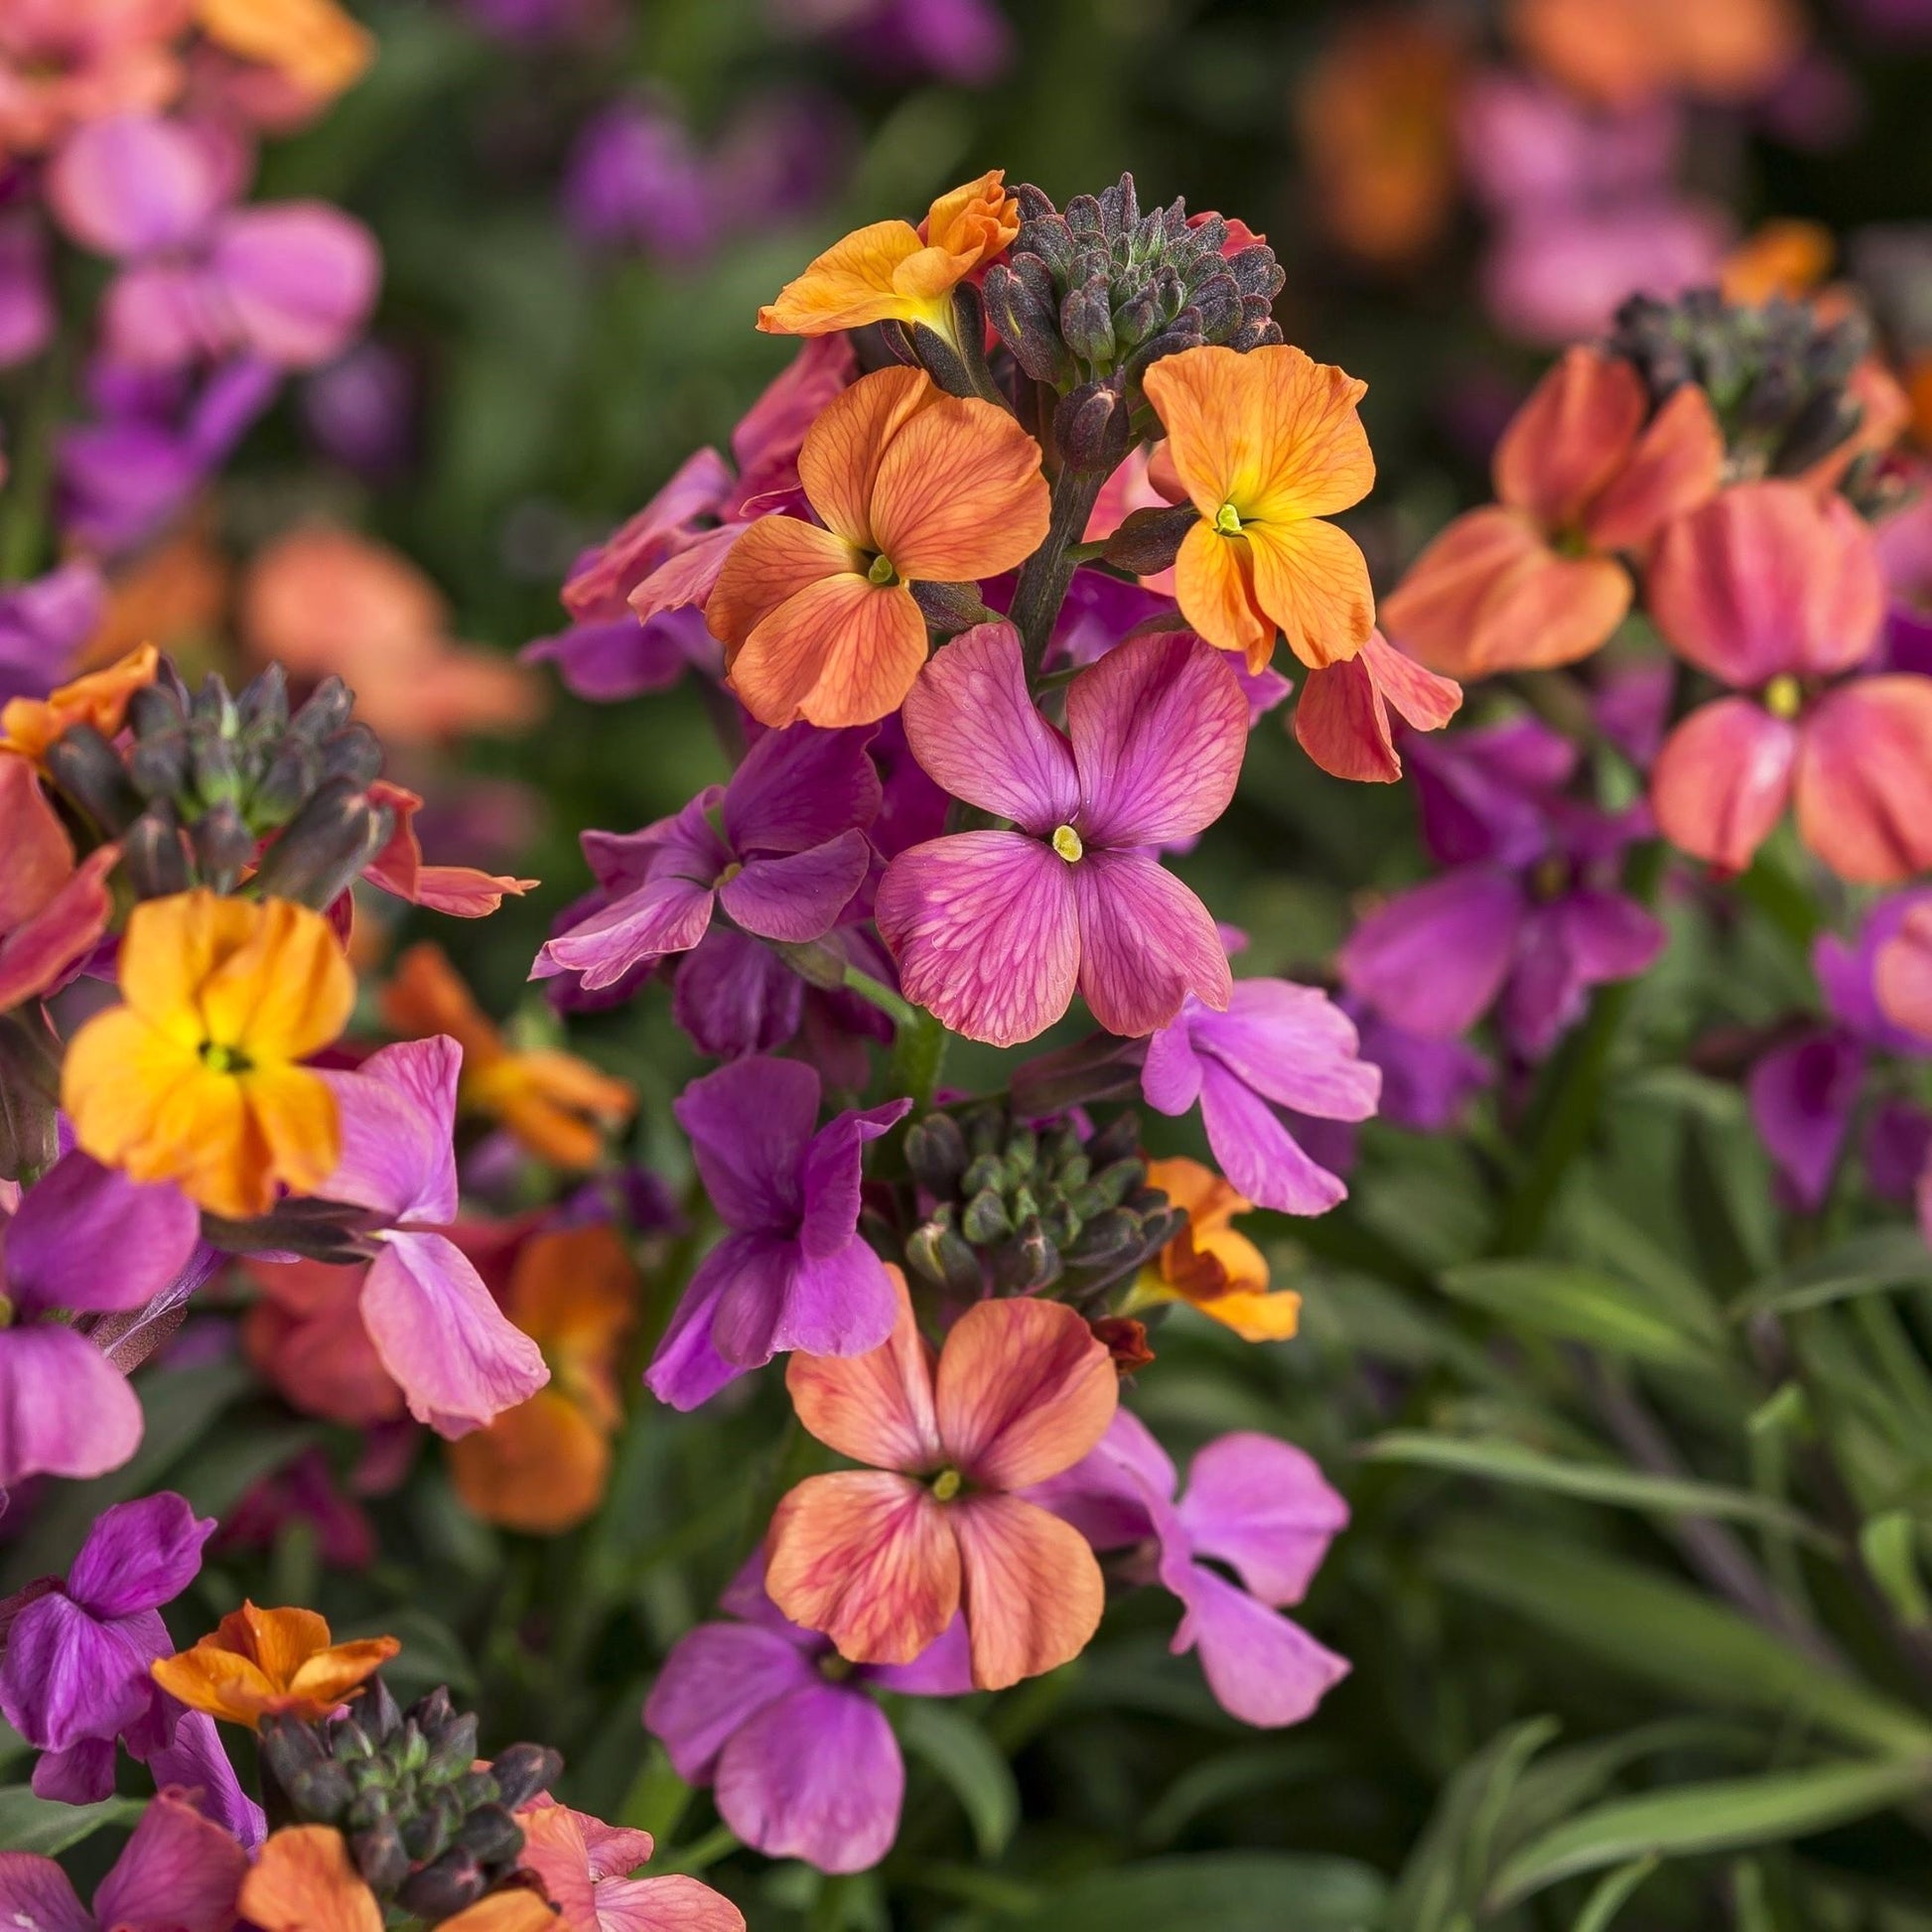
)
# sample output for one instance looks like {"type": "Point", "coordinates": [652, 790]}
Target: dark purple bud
{"type": "Point", "coordinates": [1149, 540]}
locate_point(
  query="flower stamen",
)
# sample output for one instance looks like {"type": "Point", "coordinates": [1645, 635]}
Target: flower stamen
{"type": "Point", "coordinates": [1066, 842]}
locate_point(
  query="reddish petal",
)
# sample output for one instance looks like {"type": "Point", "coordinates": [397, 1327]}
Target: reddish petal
{"type": "Point", "coordinates": [1902, 977]}
{"type": "Point", "coordinates": [1024, 1390]}
{"type": "Point", "coordinates": [1146, 942]}
{"type": "Point", "coordinates": [875, 1408]}
{"type": "Point", "coordinates": [1865, 779]}
{"type": "Point", "coordinates": [1677, 464]}
{"type": "Point", "coordinates": [1341, 719]}
{"type": "Point", "coordinates": [1031, 1589]}
{"type": "Point", "coordinates": [1721, 782]}
{"type": "Point", "coordinates": [866, 1558]}
{"type": "Point", "coordinates": [1570, 437]}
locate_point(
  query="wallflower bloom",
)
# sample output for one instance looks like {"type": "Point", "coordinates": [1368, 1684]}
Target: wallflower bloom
{"type": "Point", "coordinates": [1253, 1504]}
{"type": "Point", "coordinates": [48, 622]}
{"type": "Point", "coordinates": [1341, 718]}
{"type": "Point", "coordinates": [992, 930]}
{"type": "Point", "coordinates": [586, 1866]}
{"type": "Point", "coordinates": [1778, 594]}
{"type": "Point", "coordinates": [542, 1467]}
{"type": "Point", "coordinates": [1209, 1264]}
{"type": "Point", "coordinates": [792, 1271]}
{"type": "Point", "coordinates": [196, 1079]}
{"type": "Point", "coordinates": [880, 1559]}
{"type": "Point", "coordinates": [1267, 445]}
{"type": "Point", "coordinates": [558, 1106]}
{"type": "Point", "coordinates": [259, 1664]}
{"type": "Point", "coordinates": [1277, 1045]}
{"type": "Point", "coordinates": [67, 62]}
{"type": "Point", "coordinates": [305, 1337]}
{"type": "Point", "coordinates": [29, 725]}
{"type": "Point", "coordinates": [891, 272]}
{"type": "Point", "coordinates": [51, 910]}
{"type": "Point", "coordinates": [1626, 50]}
{"type": "Point", "coordinates": [912, 485]}
{"type": "Point", "coordinates": [314, 43]}
{"type": "Point", "coordinates": [1534, 580]}
{"type": "Point", "coordinates": [306, 1881]}
{"type": "Point", "coordinates": [805, 1762]}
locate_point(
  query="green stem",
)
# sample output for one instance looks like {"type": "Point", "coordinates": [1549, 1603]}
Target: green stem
{"type": "Point", "coordinates": [718, 1842]}
{"type": "Point", "coordinates": [895, 1007]}
{"type": "Point", "coordinates": [1044, 578]}
{"type": "Point", "coordinates": [29, 486]}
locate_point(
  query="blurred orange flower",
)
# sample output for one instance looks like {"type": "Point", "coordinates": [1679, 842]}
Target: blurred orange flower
{"type": "Point", "coordinates": [558, 1106]}
{"type": "Point", "coordinates": [175, 597]}
{"type": "Point", "coordinates": [30, 726]}
{"type": "Point", "coordinates": [304, 1881]}
{"type": "Point", "coordinates": [1778, 258]}
{"type": "Point", "coordinates": [914, 486]}
{"type": "Point", "coordinates": [1623, 51]}
{"type": "Point", "coordinates": [304, 1336]}
{"type": "Point", "coordinates": [894, 272]}
{"type": "Point", "coordinates": [311, 42]}
{"type": "Point", "coordinates": [542, 1467]}
{"type": "Point", "coordinates": [1267, 445]}
{"type": "Point", "coordinates": [260, 1664]}
{"type": "Point", "coordinates": [1209, 1264]}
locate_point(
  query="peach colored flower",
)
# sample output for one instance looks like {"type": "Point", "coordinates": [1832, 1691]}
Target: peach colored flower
{"type": "Point", "coordinates": [1624, 52]}
{"type": "Point", "coordinates": [1268, 445]}
{"type": "Point", "coordinates": [892, 272]}
{"type": "Point", "coordinates": [313, 44]}
{"type": "Point", "coordinates": [304, 1881]}
{"type": "Point", "coordinates": [1535, 579]}
{"type": "Point", "coordinates": [65, 61]}
{"type": "Point", "coordinates": [260, 1664]}
{"type": "Point", "coordinates": [879, 1559]}
{"type": "Point", "coordinates": [912, 486]}
{"type": "Point", "coordinates": [304, 1336]}
{"type": "Point", "coordinates": [1778, 258]}
{"type": "Point", "coordinates": [30, 726]}
{"type": "Point", "coordinates": [1209, 1264]}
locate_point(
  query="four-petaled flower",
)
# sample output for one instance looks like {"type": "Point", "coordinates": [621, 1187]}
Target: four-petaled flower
{"type": "Point", "coordinates": [258, 1664]}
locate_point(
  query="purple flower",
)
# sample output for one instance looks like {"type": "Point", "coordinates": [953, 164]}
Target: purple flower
{"type": "Point", "coordinates": [1257, 1506]}
{"type": "Point", "coordinates": [993, 930]}
{"type": "Point", "coordinates": [964, 41]}
{"type": "Point", "coordinates": [28, 317]}
{"type": "Point", "coordinates": [45, 624]}
{"type": "Point", "coordinates": [805, 1764]}
{"type": "Point", "coordinates": [1528, 918]}
{"type": "Point", "coordinates": [179, 1872]}
{"type": "Point", "coordinates": [1277, 1045]}
{"type": "Point", "coordinates": [360, 409]}
{"type": "Point", "coordinates": [458, 1359]}
{"type": "Point", "coordinates": [1426, 1083]}
{"type": "Point", "coordinates": [780, 849]}
{"type": "Point", "coordinates": [84, 1239]}
{"type": "Point", "coordinates": [609, 659]}
{"type": "Point", "coordinates": [634, 179]}
{"type": "Point", "coordinates": [792, 1271]}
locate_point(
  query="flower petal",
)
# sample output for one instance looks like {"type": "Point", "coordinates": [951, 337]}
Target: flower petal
{"type": "Point", "coordinates": [69, 1676]}
{"type": "Point", "coordinates": [178, 1869]}
{"type": "Point", "coordinates": [665, 915]}
{"type": "Point", "coordinates": [1264, 1508]}
{"type": "Point", "coordinates": [850, 285]}
{"type": "Point", "coordinates": [304, 1881]}
{"type": "Point", "coordinates": [773, 560]}
{"type": "Point", "coordinates": [1256, 1150]}
{"type": "Point", "coordinates": [875, 1408]}
{"type": "Point", "coordinates": [800, 788]}
{"type": "Point", "coordinates": [1903, 974]}
{"type": "Point", "coordinates": [750, 1123]}
{"type": "Point", "coordinates": [959, 494]}
{"type": "Point", "coordinates": [1313, 580]}
{"type": "Point", "coordinates": [64, 1409]}
{"type": "Point", "coordinates": [397, 1115]}
{"type": "Point", "coordinates": [1677, 463]}
{"type": "Point", "coordinates": [1572, 437]}
{"type": "Point", "coordinates": [715, 1680]}
{"type": "Point", "coordinates": [841, 651]}
{"type": "Point", "coordinates": [1721, 780]}
{"type": "Point", "coordinates": [37, 1895]}
{"type": "Point", "coordinates": [86, 1237]}
{"type": "Point", "coordinates": [798, 895]}
{"type": "Point", "coordinates": [1215, 583]}
{"type": "Point", "coordinates": [840, 458]}
{"type": "Point", "coordinates": [1433, 958]}
{"type": "Point", "coordinates": [1863, 782]}
{"type": "Point", "coordinates": [1341, 719]}
{"type": "Point", "coordinates": [1031, 1587]}
{"type": "Point", "coordinates": [1146, 942]}
{"type": "Point", "coordinates": [139, 1556]}
{"type": "Point", "coordinates": [1262, 1667]}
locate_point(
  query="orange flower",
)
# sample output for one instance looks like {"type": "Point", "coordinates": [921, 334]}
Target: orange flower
{"type": "Point", "coordinates": [1621, 52]}
{"type": "Point", "coordinates": [914, 486]}
{"type": "Point", "coordinates": [30, 726]}
{"type": "Point", "coordinates": [1267, 445]}
{"type": "Point", "coordinates": [311, 42]}
{"type": "Point", "coordinates": [1208, 1264]}
{"type": "Point", "coordinates": [270, 1663]}
{"type": "Point", "coordinates": [304, 1881]}
{"type": "Point", "coordinates": [1534, 580]}
{"type": "Point", "coordinates": [556, 1105]}
{"type": "Point", "coordinates": [1779, 258]}
{"type": "Point", "coordinates": [892, 272]}
{"type": "Point", "coordinates": [194, 1078]}
{"type": "Point", "coordinates": [542, 1467]}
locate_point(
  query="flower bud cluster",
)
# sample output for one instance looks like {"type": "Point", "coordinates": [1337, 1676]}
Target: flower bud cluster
{"type": "Point", "coordinates": [429, 1830]}
{"type": "Point", "coordinates": [1023, 1209]}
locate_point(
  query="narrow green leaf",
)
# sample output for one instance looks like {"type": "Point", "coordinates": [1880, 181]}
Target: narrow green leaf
{"type": "Point", "coordinates": [954, 1747]}
{"type": "Point", "coordinates": [1227, 1775]}
{"type": "Point", "coordinates": [1507, 1461]}
{"type": "Point", "coordinates": [1889, 1546]}
{"type": "Point", "coordinates": [1612, 1893]}
{"type": "Point", "coordinates": [1721, 1817]}
{"type": "Point", "coordinates": [1230, 1891]}
{"type": "Point", "coordinates": [32, 1823]}
{"type": "Point", "coordinates": [1577, 1304]}
{"type": "Point", "coordinates": [1871, 1263]}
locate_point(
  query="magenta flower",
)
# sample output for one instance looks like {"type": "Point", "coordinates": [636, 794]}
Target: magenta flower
{"type": "Point", "coordinates": [1277, 1045]}
{"type": "Point", "coordinates": [84, 1239]}
{"type": "Point", "coordinates": [28, 317]}
{"type": "Point", "coordinates": [792, 1271]}
{"type": "Point", "coordinates": [1253, 1505]}
{"type": "Point", "coordinates": [458, 1359]}
{"type": "Point", "coordinates": [993, 930]}
{"type": "Point", "coordinates": [779, 849]}
{"type": "Point", "coordinates": [44, 624]}
{"type": "Point", "coordinates": [292, 283]}
{"type": "Point", "coordinates": [805, 1764]}
{"type": "Point", "coordinates": [179, 1872]}
{"type": "Point", "coordinates": [635, 179]}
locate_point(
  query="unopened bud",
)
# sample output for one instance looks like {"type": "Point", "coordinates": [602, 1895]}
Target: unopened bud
{"type": "Point", "coordinates": [380, 1856]}
{"type": "Point", "coordinates": [522, 1770]}
{"type": "Point", "coordinates": [152, 854]}
{"type": "Point", "coordinates": [492, 1835]}
{"type": "Point", "coordinates": [1149, 540]}
{"type": "Point", "coordinates": [90, 772]}
{"type": "Point", "coordinates": [1091, 426]}
{"type": "Point", "coordinates": [223, 844]}
{"type": "Point", "coordinates": [443, 1889]}
{"type": "Point", "coordinates": [935, 1150]}
{"type": "Point", "coordinates": [327, 847]}
{"type": "Point", "coordinates": [325, 713]}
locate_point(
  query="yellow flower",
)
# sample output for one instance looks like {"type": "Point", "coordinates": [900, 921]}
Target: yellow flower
{"type": "Point", "coordinates": [313, 44]}
{"type": "Point", "coordinates": [260, 1664]}
{"type": "Point", "coordinates": [1208, 1264]}
{"type": "Point", "coordinates": [194, 1078]}
{"type": "Point", "coordinates": [891, 272]}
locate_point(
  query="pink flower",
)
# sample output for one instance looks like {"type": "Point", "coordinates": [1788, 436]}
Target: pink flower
{"type": "Point", "coordinates": [586, 1868]}
{"type": "Point", "coordinates": [993, 930]}
{"type": "Point", "coordinates": [1780, 594]}
{"type": "Point", "coordinates": [879, 1559]}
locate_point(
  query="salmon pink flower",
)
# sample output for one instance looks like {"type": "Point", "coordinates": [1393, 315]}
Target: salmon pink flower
{"type": "Point", "coordinates": [1256, 1505]}
{"type": "Point", "coordinates": [892, 272]}
{"type": "Point", "coordinates": [461, 891]}
{"type": "Point", "coordinates": [1621, 52]}
{"type": "Point", "coordinates": [1267, 445]}
{"type": "Point", "coordinates": [586, 1866]}
{"type": "Point", "coordinates": [912, 485]}
{"type": "Point", "coordinates": [880, 1559]}
{"type": "Point", "coordinates": [992, 930]}
{"type": "Point", "coordinates": [51, 910]}
{"type": "Point", "coordinates": [1534, 579]}
{"type": "Point", "coordinates": [1341, 718]}
{"type": "Point", "coordinates": [63, 62]}
{"type": "Point", "coordinates": [1209, 1264]}
{"type": "Point", "coordinates": [260, 1663]}
{"type": "Point", "coordinates": [1779, 595]}
{"type": "Point", "coordinates": [305, 1337]}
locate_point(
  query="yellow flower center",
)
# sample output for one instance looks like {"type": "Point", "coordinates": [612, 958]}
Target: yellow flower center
{"type": "Point", "coordinates": [6, 1312]}
{"type": "Point", "coordinates": [1785, 696]}
{"type": "Point", "coordinates": [881, 573]}
{"type": "Point", "coordinates": [945, 1486]}
{"type": "Point", "coordinates": [730, 873]}
{"type": "Point", "coordinates": [219, 1058]}
{"type": "Point", "coordinates": [1227, 519]}
{"type": "Point", "coordinates": [1066, 842]}
{"type": "Point", "coordinates": [1550, 877]}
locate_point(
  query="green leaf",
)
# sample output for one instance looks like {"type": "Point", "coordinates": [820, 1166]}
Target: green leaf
{"type": "Point", "coordinates": [1889, 1546]}
{"type": "Point", "coordinates": [430, 1652]}
{"type": "Point", "coordinates": [1664, 1632]}
{"type": "Point", "coordinates": [1871, 1263]}
{"type": "Point", "coordinates": [1578, 1304]}
{"type": "Point", "coordinates": [1503, 1461]}
{"type": "Point", "coordinates": [1233, 1774]}
{"type": "Point", "coordinates": [954, 1747]}
{"type": "Point", "coordinates": [1726, 1816]}
{"type": "Point", "coordinates": [1227, 1890]}
{"type": "Point", "coordinates": [1612, 1893]}
{"type": "Point", "coordinates": [32, 1823]}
